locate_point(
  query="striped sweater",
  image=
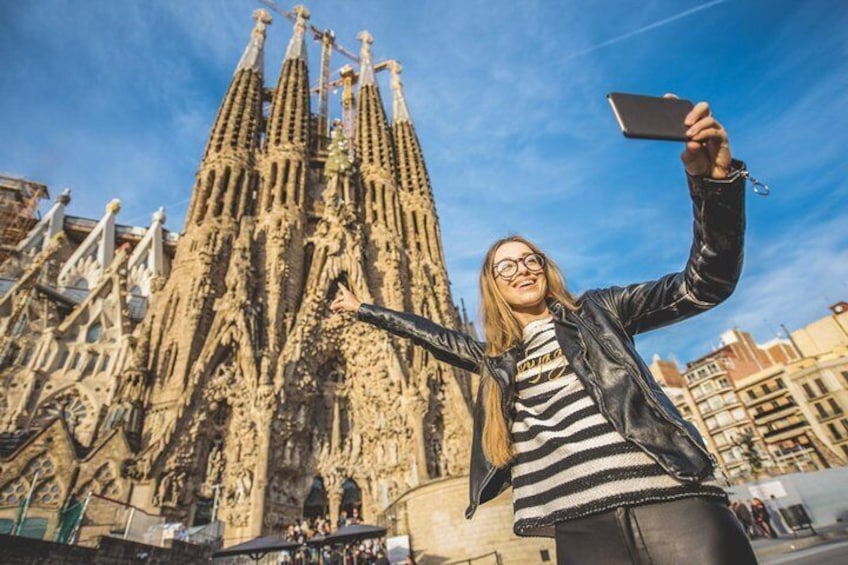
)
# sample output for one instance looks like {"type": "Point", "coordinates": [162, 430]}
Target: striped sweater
{"type": "Point", "coordinates": [570, 462]}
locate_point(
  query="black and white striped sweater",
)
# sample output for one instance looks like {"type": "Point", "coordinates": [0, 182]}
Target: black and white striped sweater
{"type": "Point", "coordinates": [570, 462]}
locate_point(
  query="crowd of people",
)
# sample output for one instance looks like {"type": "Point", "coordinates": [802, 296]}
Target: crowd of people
{"type": "Point", "coordinates": [309, 528]}
{"type": "Point", "coordinates": [759, 519]}
{"type": "Point", "coordinates": [365, 552]}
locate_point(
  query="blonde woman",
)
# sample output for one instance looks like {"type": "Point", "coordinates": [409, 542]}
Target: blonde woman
{"type": "Point", "coordinates": [597, 455]}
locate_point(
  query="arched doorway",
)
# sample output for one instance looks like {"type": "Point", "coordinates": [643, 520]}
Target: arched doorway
{"type": "Point", "coordinates": [351, 506]}
{"type": "Point", "coordinates": [316, 504]}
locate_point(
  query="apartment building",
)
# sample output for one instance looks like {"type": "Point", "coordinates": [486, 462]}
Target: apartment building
{"type": "Point", "coordinates": [822, 384]}
{"type": "Point", "coordinates": [775, 404]}
{"type": "Point", "coordinates": [721, 416]}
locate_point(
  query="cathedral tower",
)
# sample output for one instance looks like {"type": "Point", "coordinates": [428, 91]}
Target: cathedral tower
{"type": "Point", "coordinates": [380, 194]}
{"type": "Point", "coordinates": [197, 368]}
{"type": "Point", "coordinates": [282, 199]}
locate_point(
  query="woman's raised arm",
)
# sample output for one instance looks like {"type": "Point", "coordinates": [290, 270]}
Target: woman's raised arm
{"type": "Point", "coordinates": [451, 346]}
{"type": "Point", "coordinates": [717, 187]}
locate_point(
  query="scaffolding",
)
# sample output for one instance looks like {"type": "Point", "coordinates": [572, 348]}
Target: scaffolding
{"type": "Point", "coordinates": [19, 200]}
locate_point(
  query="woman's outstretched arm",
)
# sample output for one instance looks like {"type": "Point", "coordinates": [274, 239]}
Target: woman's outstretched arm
{"type": "Point", "coordinates": [451, 346]}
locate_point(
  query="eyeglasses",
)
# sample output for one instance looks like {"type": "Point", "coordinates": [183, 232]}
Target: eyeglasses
{"type": "Point", "coordinates": [508, 268]}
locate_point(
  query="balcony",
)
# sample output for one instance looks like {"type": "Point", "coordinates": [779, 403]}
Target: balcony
{"type": "Point", "coordinates": [776, 435]}
{"type": "Point", "coordinates": [771, 395]}
{"type": "Point", "coordinates": [766, 415]}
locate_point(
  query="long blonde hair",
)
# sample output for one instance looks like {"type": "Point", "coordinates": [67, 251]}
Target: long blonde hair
{"type": "Point", "coordinates": [503, 331]}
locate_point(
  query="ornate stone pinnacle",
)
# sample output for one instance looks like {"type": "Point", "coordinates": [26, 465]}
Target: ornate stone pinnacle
{"type": "Point", "coordinates": [400, 113]}
{"type": "Point", "coordinates": [365, 37]}
{"type": "Point", "coordinates": [65, 197]}
{"type": "Point", "coordinates": [395, 68]}
{"type": "Point", "coordinates": [297, 44]}
{"type": "Point", "coordinates": [366, 68]}
{"type": "Point", "coordinates": [159, 215]}
{"type": "Point", "coordinates": [262, 17]}
{"type": "Point", "coordinates": [301, 11]}
{"type": "Point", "coordinates": [114, 206]}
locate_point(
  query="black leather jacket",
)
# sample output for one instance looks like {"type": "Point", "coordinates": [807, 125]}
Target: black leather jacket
{"type": "Point", "coordinates": [597, 340]}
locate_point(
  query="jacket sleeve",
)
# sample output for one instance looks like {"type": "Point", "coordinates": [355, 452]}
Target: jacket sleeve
{"type": "Point", "coordinates": [450, 346]}
{"type": "Point", "coordinates": [713, 268]}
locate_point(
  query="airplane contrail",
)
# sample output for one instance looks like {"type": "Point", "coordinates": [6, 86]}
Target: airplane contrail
{"type": "Point", "coordinates": [646, 28]}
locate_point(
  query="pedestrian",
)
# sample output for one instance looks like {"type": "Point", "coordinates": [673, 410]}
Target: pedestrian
{"type": "Point", "coordinates": [773, 507]}
{"type": "Point", "coordinates": [598, 456]}
{"type": "Point", "coordinates": [743, 513]}
{"type": "Point", "coordinates": [762, 519]}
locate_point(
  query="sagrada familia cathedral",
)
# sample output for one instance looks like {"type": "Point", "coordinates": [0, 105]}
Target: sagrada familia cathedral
{"type": "Point", "coordinates": [176, 371]}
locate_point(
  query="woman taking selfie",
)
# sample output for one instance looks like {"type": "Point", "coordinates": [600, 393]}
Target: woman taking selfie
{"type": "Point", "coordinates": [568, 412]}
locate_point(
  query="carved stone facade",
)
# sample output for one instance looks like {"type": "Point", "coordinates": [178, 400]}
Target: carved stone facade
{"type": "Point", "coordinates": [163, 371]}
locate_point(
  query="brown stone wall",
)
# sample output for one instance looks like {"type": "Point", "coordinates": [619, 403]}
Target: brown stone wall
{"type": "Point", "coordinates": [433, 515]}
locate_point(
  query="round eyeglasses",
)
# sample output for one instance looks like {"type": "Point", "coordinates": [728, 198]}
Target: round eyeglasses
{"type": "Point", "coordinates": [508, 268]}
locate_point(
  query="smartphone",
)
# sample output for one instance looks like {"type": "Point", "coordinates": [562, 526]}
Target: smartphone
{"type": "Point", "coordinates": [650, 117]}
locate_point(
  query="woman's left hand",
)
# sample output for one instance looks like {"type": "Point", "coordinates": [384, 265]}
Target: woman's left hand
{"type": "Point", "coordinates": [707, 152]}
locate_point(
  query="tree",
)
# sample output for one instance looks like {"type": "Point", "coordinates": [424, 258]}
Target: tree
{"type": "Point", "coordinates": [750, 454]}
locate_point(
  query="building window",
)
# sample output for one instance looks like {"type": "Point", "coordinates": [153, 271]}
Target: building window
{"type": "Point", "coordinates": [845, 376]}
{"type": "Point", "coordinates": [722, 382]}
{"type": "Point", "coordinates": [738, 414]}
{"type": "Point", "coordinates": [92, 335]}
{"type": "Point", "coordinates": [844, 424]}
{"type": "Point", "coordinates": [23, 358]}
{"type": "Point", "coordinates": [91, 364]}
{"type": "Point", "coordinates": [845, 449]}
{"type": "Point", "coordinates": [751, 395]}
{"type": "Point", "coordinates": [808, 390]}
{"type": "Point", "coordinates": [820, 384]}
{"type": "Point", "coordinates": [836, 408]}
{"type": "Point", "coordinates": [820, 409]}
{"type": "Point", "coordinates": [834, 431]}
{"type": "Point", "coordinates": [63, 358]}
{"type": "Point", "coordinates": [75, 361]}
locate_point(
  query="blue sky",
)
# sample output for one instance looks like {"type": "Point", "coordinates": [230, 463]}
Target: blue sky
{"type": "Point", "coordinates": [116, 98]}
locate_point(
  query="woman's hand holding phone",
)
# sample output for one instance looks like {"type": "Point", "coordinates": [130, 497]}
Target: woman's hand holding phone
{"type": "Point", "coordinates": [707, 152]}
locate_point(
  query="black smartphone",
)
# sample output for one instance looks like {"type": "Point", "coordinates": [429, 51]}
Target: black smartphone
{"type": "Point", "coordinates": [650, 117]}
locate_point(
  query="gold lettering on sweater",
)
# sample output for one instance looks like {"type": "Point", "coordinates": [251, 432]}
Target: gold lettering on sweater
{"type": "Point", "coordinates": [528, 366]}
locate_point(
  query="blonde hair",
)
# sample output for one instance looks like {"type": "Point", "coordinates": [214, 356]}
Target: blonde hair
{"type": "Point", "coordinates": [503, 331]}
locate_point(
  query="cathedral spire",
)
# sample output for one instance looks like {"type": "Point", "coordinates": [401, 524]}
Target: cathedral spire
{"type": "Point", "coordinates": [373, 138]}
{"type": "Point", "coordinates": [400, 113]}
{"type": "Point", "coordinates": [282, 196]}
{"type": "Point", "coordinates": [225, 177]}
{"type": "Point", "coordinates": [254, 54]}
{"type": "Point", "coordinates": [375, 150]}
{"type": "Point", "coordinates": [297, 44]}
{"type": "Point", "coordinates": [421, 223]}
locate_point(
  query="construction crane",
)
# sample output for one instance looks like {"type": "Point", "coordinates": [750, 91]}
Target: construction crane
{"type": "Point", "coordinates": [327, 38]}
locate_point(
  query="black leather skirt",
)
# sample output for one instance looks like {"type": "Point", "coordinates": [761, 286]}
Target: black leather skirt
{"type": "Point", "coordinates": [686, 531]}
